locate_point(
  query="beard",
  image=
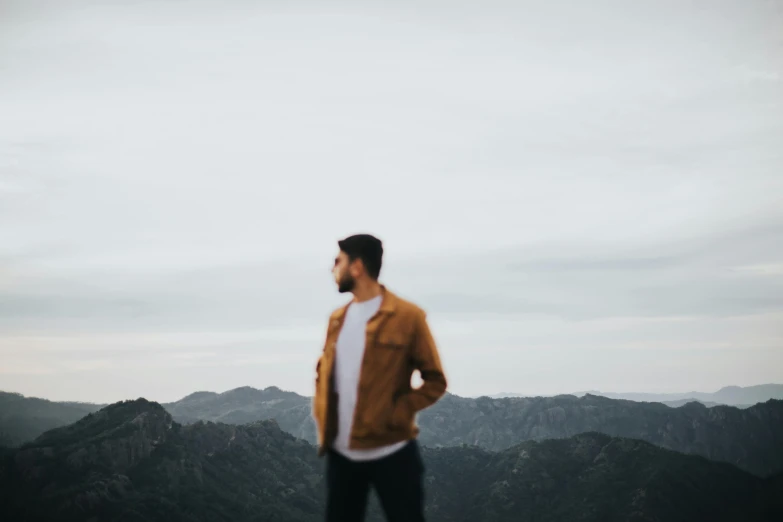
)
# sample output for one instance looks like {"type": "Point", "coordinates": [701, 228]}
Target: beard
{"type": "Point", "coordinates": [346, 284]}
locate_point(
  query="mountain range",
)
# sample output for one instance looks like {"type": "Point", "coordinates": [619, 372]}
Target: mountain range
{"type": "Point", "coordinates": [132, 462]}
{"type": "Point", "coordinates": [750, 438]}
{"type": "Point", "coordinates": [729, 395]}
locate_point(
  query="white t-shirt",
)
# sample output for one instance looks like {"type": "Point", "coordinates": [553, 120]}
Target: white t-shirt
{"type": "Point", "coordinates": [347, 370]}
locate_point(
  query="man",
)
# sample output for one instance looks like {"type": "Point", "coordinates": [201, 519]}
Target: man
{"type": "Point", "coordinates": [364, 405]}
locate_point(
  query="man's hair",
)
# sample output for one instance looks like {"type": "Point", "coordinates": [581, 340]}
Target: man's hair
{"type": "Point", "coordinates": [367, 248]}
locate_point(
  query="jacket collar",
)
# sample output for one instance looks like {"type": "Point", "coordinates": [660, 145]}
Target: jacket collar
{"type": "Point", "coordinates": [389, 301]}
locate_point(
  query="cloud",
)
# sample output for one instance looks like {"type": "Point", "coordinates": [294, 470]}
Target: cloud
{"type": "Point", "coordinates": [698, 276]}
{"type": "Point", "coordinates": [770, 269]}
{"type": "Point", "coordinates": [173, 191]}
{"type": "Point", "coordinates": [748, 73]}
{"type": "Point", "coordinates": [599, 264]}
{"type": "Point", "coordinates": [689, 277]}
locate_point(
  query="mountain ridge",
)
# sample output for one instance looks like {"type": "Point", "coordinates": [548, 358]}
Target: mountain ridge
{"type": "Point", "coordinates": [501, 423]}
{"type": "Point", "coordinates": [131, 462]}
{"type": "Point", "coordinates": [751, 438]}
{"type": "Point", "coordinates": [728, 395]}
{"type": "Point", "coordinates": [24, 418]}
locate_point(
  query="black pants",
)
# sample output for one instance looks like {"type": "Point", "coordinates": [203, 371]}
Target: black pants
{"type": "Point", "coordinates": [397, 479]}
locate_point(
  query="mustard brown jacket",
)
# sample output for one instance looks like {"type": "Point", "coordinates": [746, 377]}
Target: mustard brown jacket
{"type": "Point", "coordinates": [398, 341]}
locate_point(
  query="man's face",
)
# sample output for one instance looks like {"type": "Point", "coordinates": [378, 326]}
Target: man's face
{"type": "Point", "coordinates": [342, 272]}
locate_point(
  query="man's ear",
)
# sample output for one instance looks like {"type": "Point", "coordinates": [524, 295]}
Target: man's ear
{"type": "Point", "coordinates": [356, 268]}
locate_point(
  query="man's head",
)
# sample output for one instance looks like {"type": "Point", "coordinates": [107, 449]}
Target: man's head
{"type": "Point", "coordinates": [360, 259]}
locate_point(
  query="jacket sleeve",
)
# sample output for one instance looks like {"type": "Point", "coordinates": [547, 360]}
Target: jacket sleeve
{"type": "Point", "coordinates": [426, 359]}
{"type": "Point", "coordinates": [313, 410]}
{"type": "Point", "coordinates": [317, 395]}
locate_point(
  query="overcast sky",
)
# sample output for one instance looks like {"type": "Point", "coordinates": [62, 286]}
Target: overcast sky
{"type": "Point", "coordinates": [582, 195]}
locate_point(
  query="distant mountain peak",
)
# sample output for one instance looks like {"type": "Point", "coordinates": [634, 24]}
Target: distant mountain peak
{"type": "Point", "coordinates": [199, 395]}
{"type": "Point", "coordinates": [242, 391]}
{"type": "Point", "coordinates": [115, 421]}
{"type": "Point", "coordinates": [694, 404]}
{"type": "Point", "coordinates": [135, 406]}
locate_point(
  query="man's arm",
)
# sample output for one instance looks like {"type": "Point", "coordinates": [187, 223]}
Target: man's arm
{"type": "Point", "coordinates": [427, 361]}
